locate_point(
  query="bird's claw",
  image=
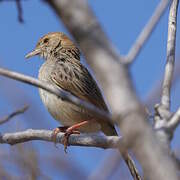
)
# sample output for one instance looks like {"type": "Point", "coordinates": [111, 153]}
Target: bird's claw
{"type": "Point", "coordinates": [66, 138]}
{"type": "Point", "coordinates": [67, 132]}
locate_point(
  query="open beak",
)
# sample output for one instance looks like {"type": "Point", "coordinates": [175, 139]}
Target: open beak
{"type": "Point", "coordinates": [33, 53]}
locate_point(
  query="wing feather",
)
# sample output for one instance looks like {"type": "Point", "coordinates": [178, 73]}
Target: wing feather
{"type": "Point", "coordinates": [76, 79]}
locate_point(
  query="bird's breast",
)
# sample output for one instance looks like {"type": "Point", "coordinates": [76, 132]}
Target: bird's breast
{"type": "Point", "coordinates": [66, 113]}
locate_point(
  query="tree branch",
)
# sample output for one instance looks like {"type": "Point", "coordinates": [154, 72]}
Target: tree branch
{"type": "Point", "coordinates": [162, 110]}
{"type": "Point", "coordinates": [171, 41]}
{"type": "Point", "coordinates": [146, 32]}
{"type": "Point", "coordinates": [15, 113]}
{"type": "Point", "coordinates": [74, 140]}
{"type": "Point", "coordinates": [117, 85]}
{"type": "Point", "coordinates": [56, 91]}
{"type": "Point", "coordinates": [20, 11]}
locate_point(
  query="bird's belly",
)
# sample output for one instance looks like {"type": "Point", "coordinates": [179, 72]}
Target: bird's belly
{"type": "Point", "coordinates": [67, 113]}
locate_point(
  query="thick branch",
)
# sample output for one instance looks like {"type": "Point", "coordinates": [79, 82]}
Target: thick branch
{"type": "Point", "coordinates": [117, 85]}
{"type": "Point", "coordinates": [146, 32]}
{"type": "Point", "coordinates": [15, 113]}
{"type": "Point", "coordinates": [169, 69]}
{"type": "Point", "coordinates": [74, 140]}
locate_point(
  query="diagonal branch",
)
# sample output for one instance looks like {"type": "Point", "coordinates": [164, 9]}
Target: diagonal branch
{"type": "Point", "coordinates": [15, 113]}
{"type": "Point", "coordinates": [146, 32]}
{"type": "Point", "coordinates": [117, 85]}
{"type": "Point", "coordinates": [74, 140]}
{"type": "Point", "coordinates": [56, 91]}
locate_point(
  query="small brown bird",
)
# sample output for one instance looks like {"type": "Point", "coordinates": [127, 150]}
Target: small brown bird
{"type": "Point", "coordinates": [62, 68]}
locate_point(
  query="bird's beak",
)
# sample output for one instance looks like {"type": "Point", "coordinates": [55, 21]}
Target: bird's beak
{"type": "Point", "coordinates": [33, 53]}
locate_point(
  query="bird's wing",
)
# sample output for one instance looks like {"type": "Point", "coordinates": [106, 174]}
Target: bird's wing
{"type": "Point", "coordinates": [77, 80]}
{"type": "Point", "coordinates": [68, 75]}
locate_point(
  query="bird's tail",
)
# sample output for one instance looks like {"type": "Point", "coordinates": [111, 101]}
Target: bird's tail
{"type": "Point", "coordinates": [111, 131]}
{"type": "Point", "coordinates": [131, 165]}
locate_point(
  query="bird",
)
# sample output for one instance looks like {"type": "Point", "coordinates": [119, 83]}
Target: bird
{"type": "Point", "coordinates": [63, 69]}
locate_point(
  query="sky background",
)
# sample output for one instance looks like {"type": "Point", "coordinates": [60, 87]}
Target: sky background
{"type": "Point", "coordinates": [122, 21]}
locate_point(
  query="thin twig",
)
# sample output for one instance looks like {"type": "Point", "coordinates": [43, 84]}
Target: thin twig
{"type": "Point", "coordinates": [74, 140]}
{"type": "Point", "coordinates": [146, 32]}
{"type": "Point", "coordinates": [169, 69]}
{"type": "Point", "coordinates": [15, 113]}
{"type": "Point", "coordinates": [20, 11]}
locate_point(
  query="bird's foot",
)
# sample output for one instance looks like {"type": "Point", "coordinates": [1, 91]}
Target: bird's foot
{"type": "Point", "coordinates": [56, 131]}
{"type": "Point", "coordinates": [68, 131]}
{"type": "Point", "coordinates": [72, 130]}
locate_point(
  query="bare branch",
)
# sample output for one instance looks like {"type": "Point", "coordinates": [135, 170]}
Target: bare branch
{"type": "Point", "coordinates": [15, 113]}
{"type": "Point", "coordinates": [169, 69]}
{"type": "Point", "coordinates": [20, 11]}
{"type": "Point", "coordinates": [146, 32]}
{"type": "Point", "coordinates": [58, 92]}
{"type": "Point", "coordinates": [74, 140]}
{"type": "Point", "coordinates": [117, 85]}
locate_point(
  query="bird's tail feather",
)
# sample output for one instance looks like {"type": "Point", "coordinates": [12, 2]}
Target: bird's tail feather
{"type": "Point", "coordinates": [111, 131]}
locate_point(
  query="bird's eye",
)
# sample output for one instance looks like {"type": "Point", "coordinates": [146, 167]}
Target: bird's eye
{"type": "Point", "coordinates": [46, 40]}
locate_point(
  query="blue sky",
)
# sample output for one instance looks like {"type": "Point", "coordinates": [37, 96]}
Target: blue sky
{"type": "Point", "coordinates": [121, 20]}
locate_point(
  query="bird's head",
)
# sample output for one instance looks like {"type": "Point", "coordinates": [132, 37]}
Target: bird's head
{"type": "Point", "coordinates": [51, 43]}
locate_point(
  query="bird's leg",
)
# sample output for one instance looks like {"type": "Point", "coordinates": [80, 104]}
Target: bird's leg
{"type": "Point", "coordinates": [72, 130]}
